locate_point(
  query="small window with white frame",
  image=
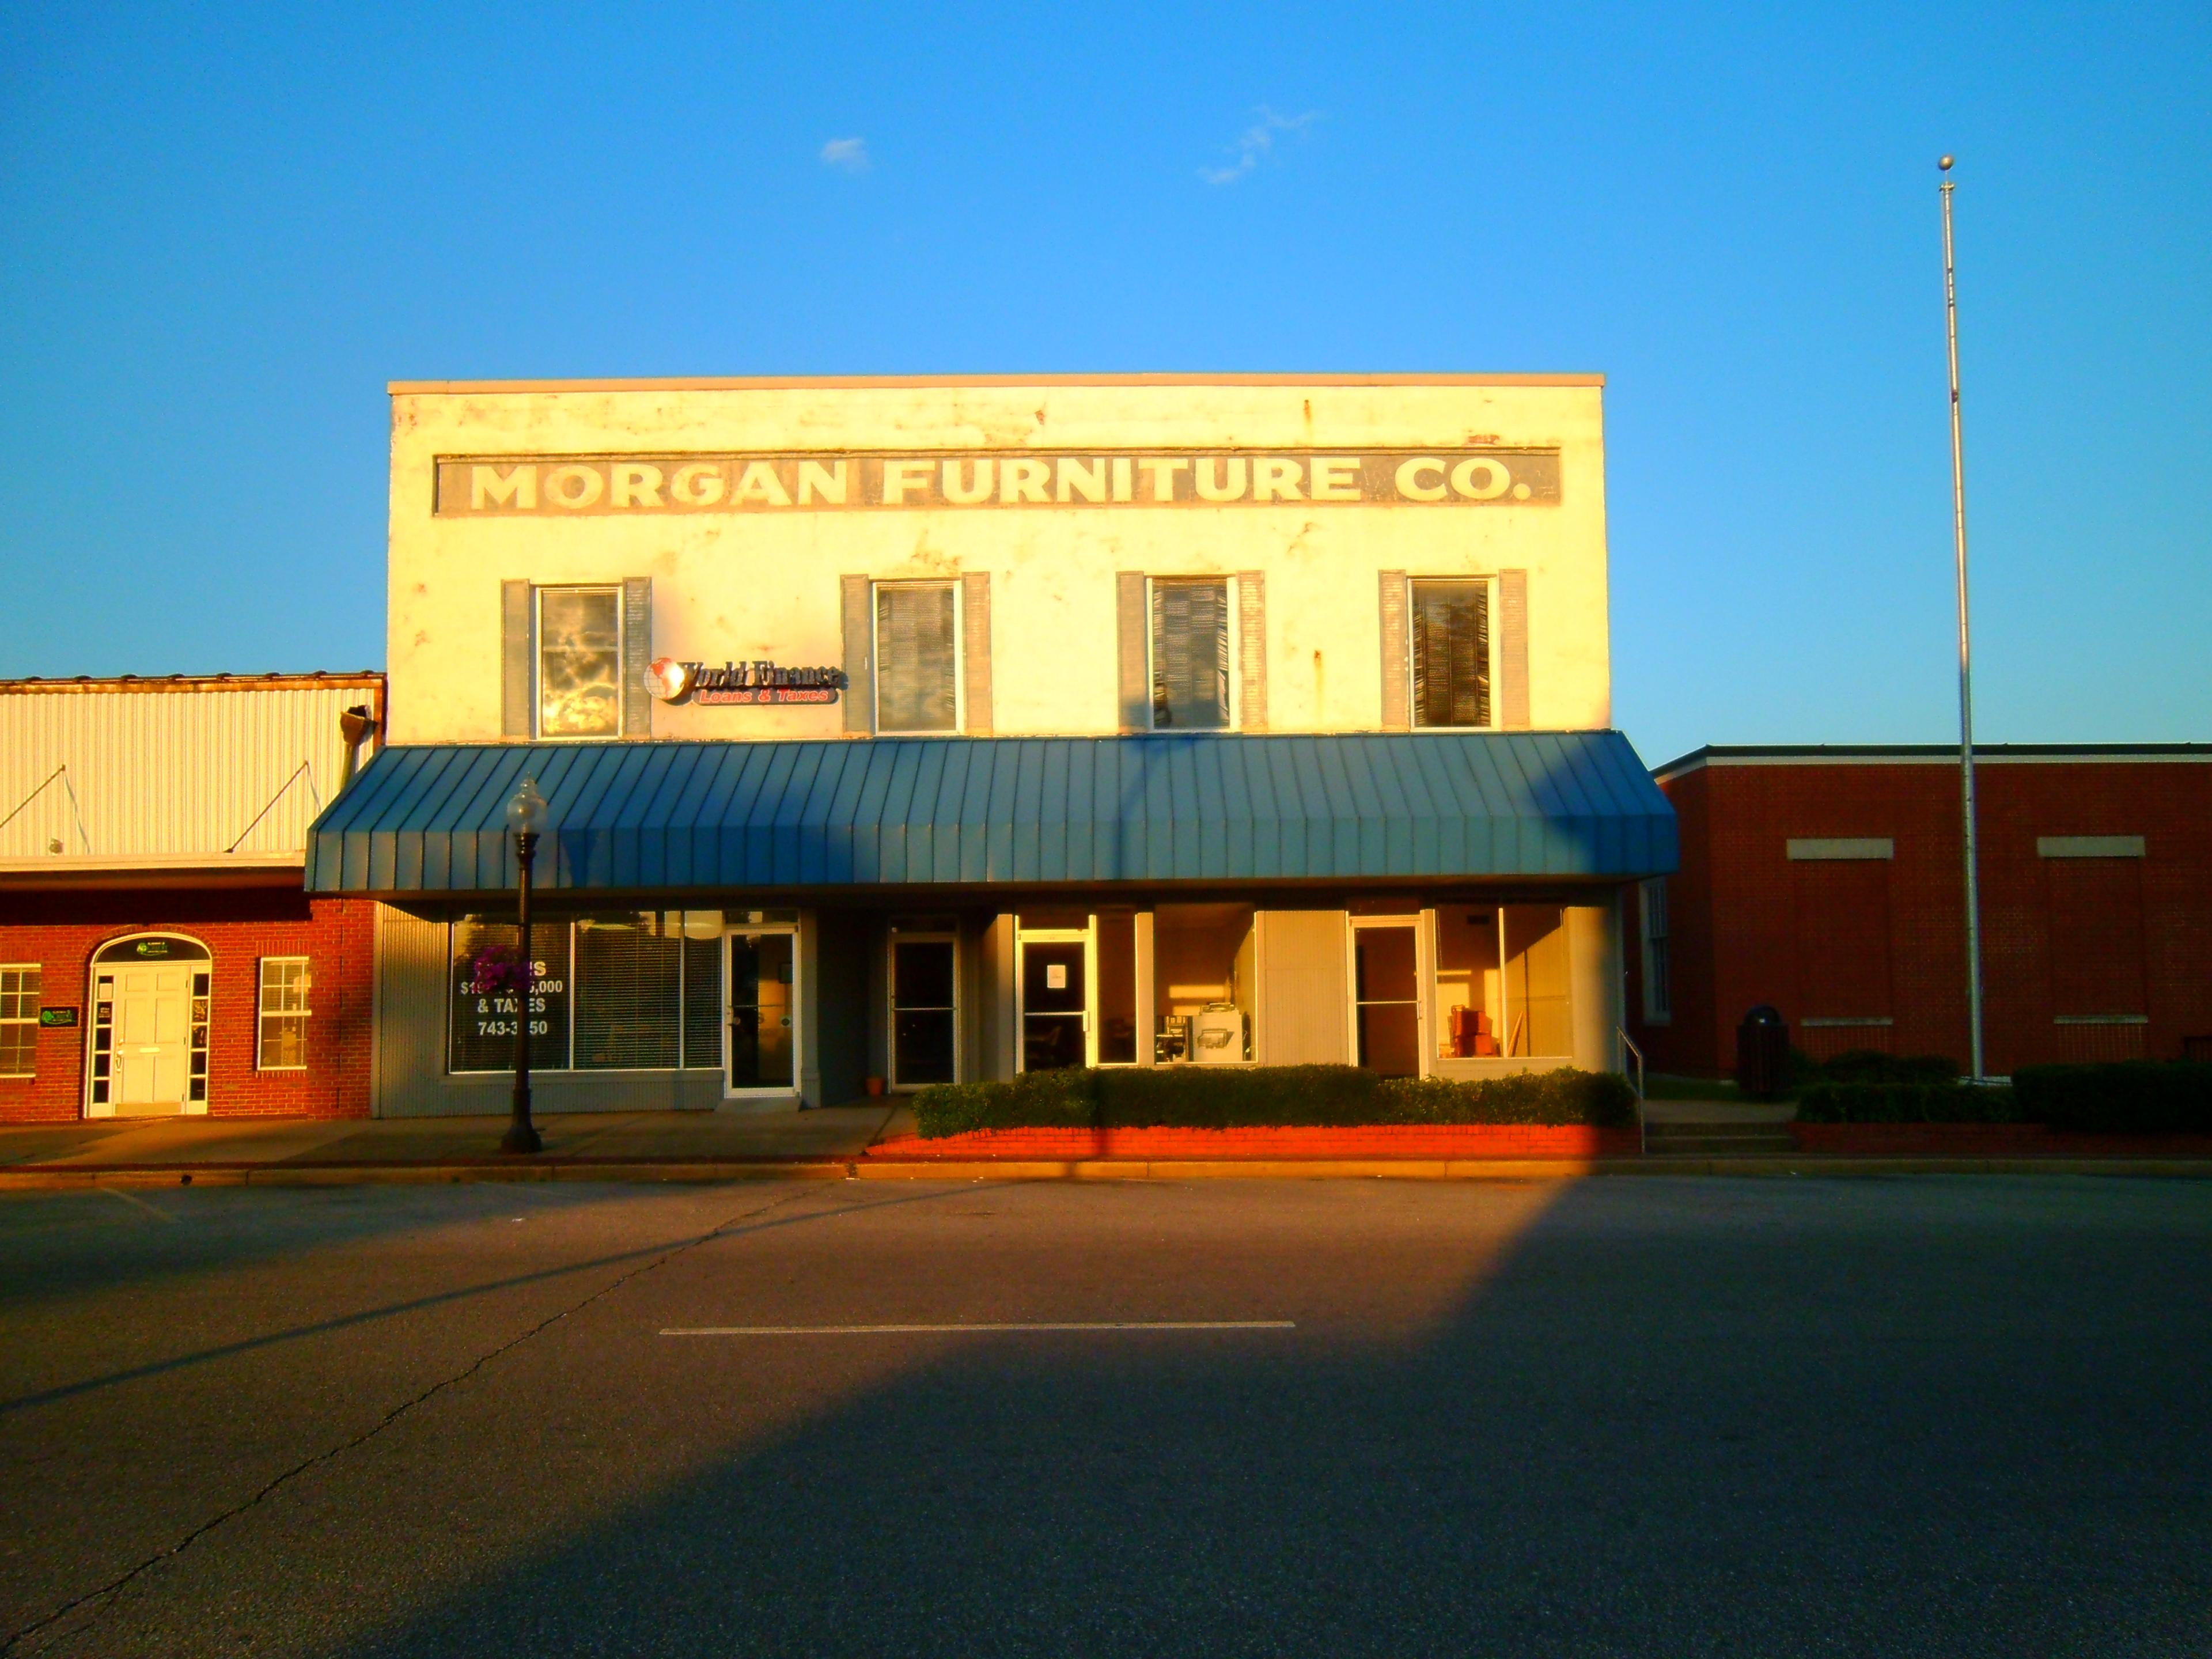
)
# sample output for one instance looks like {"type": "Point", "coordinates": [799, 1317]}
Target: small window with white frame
{"type": "Point", "coordinates": [579, 670]}
{"type": "Point", "coordinates": [1658, 996]}
{"type": "Point", "coordinates": [1450, 650]}
{"type": "Point", "coordinates": [1192, 675]}
{"type": "Point", "coordinates": [19, 1019]}
{"type": "Point", "coordinates": [917, 653]}
{"type": "Point", "coordinates": [282, 1042]}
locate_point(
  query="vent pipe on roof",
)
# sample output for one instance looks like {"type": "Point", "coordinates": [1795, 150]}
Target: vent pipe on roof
{"type": "Point", "coordinates": [354, 726]}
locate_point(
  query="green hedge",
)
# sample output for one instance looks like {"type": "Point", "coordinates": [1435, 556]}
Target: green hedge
{"type": "Point", "coordinates": [1906, 1103]}
{"type": "Point", "coordinates": [2128, 1096]}
{"type": "Point", "coordinates": [1872, 1066]}
{"type": "Point", "coordinates": [1225, 1097]}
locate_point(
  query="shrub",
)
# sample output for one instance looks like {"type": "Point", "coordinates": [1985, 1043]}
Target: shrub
{"type": "Point", "coordinates": [2127, 1097]}
{"type": "Point", "coordinates": [1880, 1101]}
{"type": "Point", "coordinates": [1224, 1097]}
{"type": "Point", "coordinates": [1872, 1066]}
{"type": "Point", "coordinates": [1061, 1100]}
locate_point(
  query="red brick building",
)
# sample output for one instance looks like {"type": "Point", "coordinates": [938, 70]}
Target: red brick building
{"type": "Point", "coordinates": [1829, 882]}
{"type": "Point", "coordinates": [158, 952]}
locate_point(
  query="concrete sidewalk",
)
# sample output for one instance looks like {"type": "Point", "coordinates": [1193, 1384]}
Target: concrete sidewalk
{"type": "Point", "coordinates": [831, 1144]}
{"type": "Point", "coordinates": [211, 1149]}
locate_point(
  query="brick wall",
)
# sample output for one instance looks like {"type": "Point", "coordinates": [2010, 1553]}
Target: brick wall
{"type": "Point", "coordinates": [2062, 939]}
{"type": "Point", "coordinates": [61, 930]}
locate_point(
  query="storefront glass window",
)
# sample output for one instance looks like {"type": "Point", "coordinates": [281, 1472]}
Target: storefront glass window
{"type": "Point", "coordinates": [613, 990]}
{"type": "Point", "coordinates": [1470, 985]}
{"type": "Point", "coordinates": [1118, 1025]}
{"type": "Point", "coordinates": [1203, 977]}
{"type": "Point", "coordinates": [917, 658]}
{"type": "Point", "coordinates": [629, 993]}
{"type": "Point", "coordinates": [491, 983]}
{"type": "Point", "coordinates": [1451, 653]}
{"type": "Point", "coordinates": [702, 932]}
{"type": "Point", "coordinates": [1190, 655]}
{"type": "Point", "coordinates": [1538, 1020]}
{"type": "Point", "coordinates": [579, 662]}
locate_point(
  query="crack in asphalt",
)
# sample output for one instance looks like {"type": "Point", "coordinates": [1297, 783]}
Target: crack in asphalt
{"type": "Point", "coordinates": [9, 1644]}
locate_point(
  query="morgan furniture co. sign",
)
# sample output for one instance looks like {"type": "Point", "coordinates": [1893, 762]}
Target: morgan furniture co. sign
{"type": "Point", "coordinates": [556, 486]}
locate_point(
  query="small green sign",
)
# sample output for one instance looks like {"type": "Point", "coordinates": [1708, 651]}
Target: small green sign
{"type": "Point", "coordinates": [57, 1016]}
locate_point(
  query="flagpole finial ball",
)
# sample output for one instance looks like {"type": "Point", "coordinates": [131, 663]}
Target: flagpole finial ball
{"type": "Point", "coordinates": [1945, 164]}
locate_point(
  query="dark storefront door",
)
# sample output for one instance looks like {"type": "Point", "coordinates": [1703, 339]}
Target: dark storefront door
{"type": "Point", "coordinates": [1053, 1005]}
{"type": "Point", "coordinates": [763, 1005]}
{"type": "Point", "coordinates": [1386, 977]}
{"type": "Point", "coordinates": [924, 1019]}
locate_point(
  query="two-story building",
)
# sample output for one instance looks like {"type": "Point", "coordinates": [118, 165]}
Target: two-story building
{"type": "Point", "coordinates": [932, 729]}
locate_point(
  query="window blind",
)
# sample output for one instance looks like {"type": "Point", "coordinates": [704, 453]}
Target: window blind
{"type": "Point", "coordinates": [630, 975]}
{"type": "Point", "coordinates": [1190, 656]}
{"type": "Point", "coordinates": [917, 658]}
{"type": "Point", "coordinates": [1451, 653]}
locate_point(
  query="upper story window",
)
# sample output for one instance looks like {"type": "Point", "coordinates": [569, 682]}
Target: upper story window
{"type": "Point", "coordinates": [1451, 653]}
{"type": "Point", "coordinates": [917, 657]}
{"type": "Point", "coordinates": [580, 666]}
{"type": "Point", "coordinates": [19, 1019]}
{"type": "Point", "coordinates": [1190, 654]}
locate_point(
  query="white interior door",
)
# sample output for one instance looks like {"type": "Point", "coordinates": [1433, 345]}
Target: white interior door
{"type": "Point", "coordinates": [153, 1036]}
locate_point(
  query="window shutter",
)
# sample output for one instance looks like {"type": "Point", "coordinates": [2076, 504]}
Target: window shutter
{"type": "Point", "coordinates": [976, 648]}
{"type": "Point", "coordinates": [637, 652]}
{"type": "Point", "coordinates": [1394, 715]}
{"type": "Point", "coordinates": [1252, 649]}
{"type": "Point", "coordinates": [860, 669]}
{"type": "Point", "coordinates": [1513, 648]}
{"type": "Point", "coordinates": [514, 675]}
{"type": "Point", "coordinates": [1135, 629]}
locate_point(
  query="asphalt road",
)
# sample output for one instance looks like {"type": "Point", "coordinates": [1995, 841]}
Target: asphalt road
{"type": "Point", "coordinates": [1651, 1416]}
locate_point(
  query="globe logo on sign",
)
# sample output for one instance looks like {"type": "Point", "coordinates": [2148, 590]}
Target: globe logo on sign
{"type": "Point", "coordinates": [667, 678]}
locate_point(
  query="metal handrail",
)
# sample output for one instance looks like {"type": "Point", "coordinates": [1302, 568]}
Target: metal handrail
{"type": "Point", "coordinates": [1643, 1142]}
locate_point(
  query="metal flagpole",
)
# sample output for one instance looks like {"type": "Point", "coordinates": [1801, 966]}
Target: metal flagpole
{"type": "Point", "coordinates": [1965, 656]}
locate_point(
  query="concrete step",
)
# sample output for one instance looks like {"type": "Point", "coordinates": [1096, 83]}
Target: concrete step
{"type": "Point", "coordinates": [1718, 1139]}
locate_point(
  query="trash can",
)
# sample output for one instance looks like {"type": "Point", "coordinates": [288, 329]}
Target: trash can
{"type": "Point", "coordinates": [1762, 1053]}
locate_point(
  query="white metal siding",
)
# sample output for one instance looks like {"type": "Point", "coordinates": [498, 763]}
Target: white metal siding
{"type": "Point", "coordinates": [162, 771]}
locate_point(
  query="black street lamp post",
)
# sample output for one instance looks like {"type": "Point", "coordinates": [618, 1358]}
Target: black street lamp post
{"type": "Point", "coordinates": [525, 814]}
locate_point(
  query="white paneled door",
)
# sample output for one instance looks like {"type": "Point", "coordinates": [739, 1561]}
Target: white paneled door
{"type": "Point", "coordinates": [153, 1037]}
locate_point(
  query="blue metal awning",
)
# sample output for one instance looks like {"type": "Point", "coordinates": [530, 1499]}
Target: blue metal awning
{"type": "Point", "coordinates": [955, 812]}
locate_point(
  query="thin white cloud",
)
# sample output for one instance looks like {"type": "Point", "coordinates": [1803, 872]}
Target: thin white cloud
{"type": "Point", "coordinates": [1256, 144]}
{"type": "Point", "coordinates": [849, 153]}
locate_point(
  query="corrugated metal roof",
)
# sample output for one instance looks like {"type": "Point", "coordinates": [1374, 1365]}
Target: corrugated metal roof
{"type": "Point", "coordinates": [971, 811]}
{"type": "Point", "coordinates": [194, 769]}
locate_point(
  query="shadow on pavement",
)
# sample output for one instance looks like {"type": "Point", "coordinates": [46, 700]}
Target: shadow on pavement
{"type": "Point", "coordinates": [1901, 1428]}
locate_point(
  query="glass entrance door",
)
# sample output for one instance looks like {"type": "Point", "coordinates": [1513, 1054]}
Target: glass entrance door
{"type": "Point", "coordinates": [1386, 993]}
{"type": "Point", "coordinates": [1055, 1002]}
{"type": "Point", "coordinates": [925, 1016]}
{"type": "Point", "coordinates": [763, 981]}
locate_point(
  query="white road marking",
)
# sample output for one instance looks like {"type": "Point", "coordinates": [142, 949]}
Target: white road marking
{"type": "Point", "coordinates": [139, 1203]}
{"type": "Point", "coordinates": [986, 1330]}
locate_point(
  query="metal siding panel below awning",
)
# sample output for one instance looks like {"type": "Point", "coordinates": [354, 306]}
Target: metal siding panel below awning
{"type": "Point", "coordinates": [937, 812]}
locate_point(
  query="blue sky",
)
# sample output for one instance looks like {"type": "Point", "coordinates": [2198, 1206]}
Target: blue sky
{"type": "Point", "coordinates": [226, 229]}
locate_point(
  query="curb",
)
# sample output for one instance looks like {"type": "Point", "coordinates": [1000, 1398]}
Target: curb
{"type": "Point", "coordinates": [1771, 1166]}
{"type": "Point", "coordinates": [419, 1174]}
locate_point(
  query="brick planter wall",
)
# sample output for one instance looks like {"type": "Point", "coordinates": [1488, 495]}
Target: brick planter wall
{"type": "Point", "coordinates": [60, 931]}
{"type": "Point", "coordinates": [1371, 1142]}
